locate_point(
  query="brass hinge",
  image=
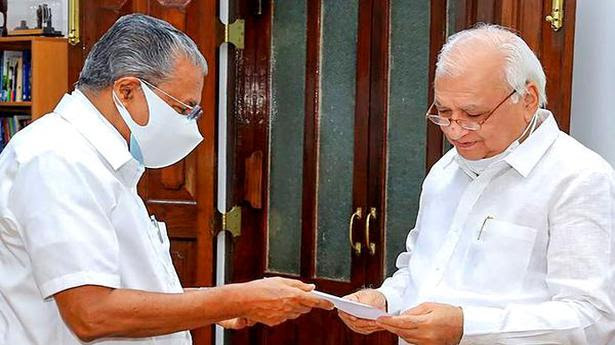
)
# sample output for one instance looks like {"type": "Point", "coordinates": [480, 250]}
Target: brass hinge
{"type": "Point", "coordinates": [556, 18]}
{"type": "Point", "coordinates": [73, 22]}
{"type": "Point", "coordinates": [234, 33]}
{"type": "Point", "coordinates": [231, 221]}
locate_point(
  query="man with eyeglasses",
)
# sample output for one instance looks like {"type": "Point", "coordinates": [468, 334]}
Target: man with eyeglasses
{"type": "Point", "coordinates": [513, 242]}
{"type": "Point", "coordinates": [80, 259]}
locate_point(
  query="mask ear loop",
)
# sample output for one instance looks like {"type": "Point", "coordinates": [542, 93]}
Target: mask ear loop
{"type": "Point", "coordinates": [529, 129]}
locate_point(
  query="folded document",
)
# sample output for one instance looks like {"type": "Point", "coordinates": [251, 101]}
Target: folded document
{"type": "Point", "coordinates": [357, 309]}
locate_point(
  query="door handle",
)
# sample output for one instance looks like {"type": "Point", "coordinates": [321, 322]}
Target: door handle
{"type": "Point", "coordinates": [370, 245]}
{"type": "Point", "coordinates": [356, 246]}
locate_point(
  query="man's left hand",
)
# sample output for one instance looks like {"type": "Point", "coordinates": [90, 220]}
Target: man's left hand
{"type": "Point", "coordinates": [236, 323]}
{"type": "Point", "coordinates": [427, 324]}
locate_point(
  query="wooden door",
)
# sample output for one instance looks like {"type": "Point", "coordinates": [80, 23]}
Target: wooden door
{"type": "Point", "coordinates": [319, 53]}
{"type": "Point", "coordinates": [181, 195]}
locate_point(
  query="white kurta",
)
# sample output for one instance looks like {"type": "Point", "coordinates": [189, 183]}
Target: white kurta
{"type": "Point", "coordinates": [525, 248]}
{"type": "Point", "coordinates": [70, 216]}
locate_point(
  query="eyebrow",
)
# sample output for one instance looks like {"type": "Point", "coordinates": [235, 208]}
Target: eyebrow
{"type": "Point", "coordinates": [469, 107]}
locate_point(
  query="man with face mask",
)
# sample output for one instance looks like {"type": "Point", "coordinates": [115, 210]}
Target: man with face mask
{"type": "Point", "coordinates": [80, 259]}
{"type": "Point", "coordinates": [513, 242]}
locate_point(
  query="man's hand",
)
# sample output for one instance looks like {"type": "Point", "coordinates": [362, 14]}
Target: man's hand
{"type": "Point", "coordinates": [272, 301]}
{"type": "Point", "coordinates": [427, 324]}
{"type": "Point", "coordinates": [236, 323]}
{"type": "Point", "coordinates": [369, 297]}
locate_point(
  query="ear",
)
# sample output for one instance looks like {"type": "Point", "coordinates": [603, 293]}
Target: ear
{"type": "Point", "coordinates": [126, 88]}
{"type": "Point", "coordinates": [530, 100]}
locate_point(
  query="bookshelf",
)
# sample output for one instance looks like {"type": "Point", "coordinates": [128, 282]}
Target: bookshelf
{"type": "Point", "coordinates": [49, 72]}
{"type": "Point", "coordinates": [49, 77]}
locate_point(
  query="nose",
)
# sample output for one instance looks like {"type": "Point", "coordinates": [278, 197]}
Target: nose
{"type": "Point", "coordinates": [454, 131]}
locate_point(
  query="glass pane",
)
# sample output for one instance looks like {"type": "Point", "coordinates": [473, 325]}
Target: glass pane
{"type": "Point", "coordinates": [408, 78]}
{"type": "Point", "coordinates": [287, 116]}
{"type": "Point", "coordinates": [451, 17]}
{"type": "Point", "coordinates": [339, 49]}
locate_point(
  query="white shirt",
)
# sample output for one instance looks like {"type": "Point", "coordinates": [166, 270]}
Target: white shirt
{"type": "Point", "coordinates": [525, 248]}
{"type": "Point", "coordinates": [70, 216]}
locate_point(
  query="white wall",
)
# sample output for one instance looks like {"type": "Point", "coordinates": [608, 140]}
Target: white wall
{"type": "Point", "coordinates": [593, 79]}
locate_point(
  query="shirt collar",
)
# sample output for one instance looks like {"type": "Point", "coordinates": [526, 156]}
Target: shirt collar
{"type": "Point", "coordinates": [77, 109]}
{"type": "Point", "coordinates": [525, 157]}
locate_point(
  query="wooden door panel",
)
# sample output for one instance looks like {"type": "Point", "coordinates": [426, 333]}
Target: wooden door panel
{"type": "Point", "coordinates": [177, 182]}
{"type": "Point", "coordinates": [251, 120]}
{"type": "Point", "coordinates": [183, 255]}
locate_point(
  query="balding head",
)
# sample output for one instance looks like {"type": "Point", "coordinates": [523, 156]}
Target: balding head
{"type": "Point", "coordinates": [491, 46]}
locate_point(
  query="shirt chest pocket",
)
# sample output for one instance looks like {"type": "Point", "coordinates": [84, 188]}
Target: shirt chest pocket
{"type": "Point", "coordinates": [161, 250]}
{"type": "Point", "coordinates": [498, 257]}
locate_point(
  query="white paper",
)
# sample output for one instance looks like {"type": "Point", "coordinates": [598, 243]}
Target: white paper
{"type": "Point", "coordinates": [357, 309]}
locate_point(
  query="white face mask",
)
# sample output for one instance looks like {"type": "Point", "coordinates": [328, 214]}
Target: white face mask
{"type": "Point", "coordinates": [166, 138]}
{"type": "Point", "coordinates": [477, 167]}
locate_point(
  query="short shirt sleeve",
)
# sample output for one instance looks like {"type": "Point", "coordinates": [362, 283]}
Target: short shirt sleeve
{"type": "Point", "coordinates": [62, 206]}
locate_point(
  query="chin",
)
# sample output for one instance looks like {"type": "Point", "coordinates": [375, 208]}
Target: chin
{"type": "Point", "coordinates": [470, 155]}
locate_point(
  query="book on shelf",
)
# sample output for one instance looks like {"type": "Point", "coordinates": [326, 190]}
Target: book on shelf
{"type": "Point", "coordinates": [16, 74]}
{"type": "Point", "coordinates": [9, 125]}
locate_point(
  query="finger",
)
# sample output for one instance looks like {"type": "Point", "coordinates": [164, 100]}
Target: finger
{"type": "Point", "coordinates": [360, 323]}
{"type": "Point", "coordinates": [294, 316]}
{"type": "Point", "coordinates": [357, 321]}
{"type": "Point", "coordinates": [326, 305]}
{"type": "Point", "coordinates": [402, 322]}
{"type": "Point", "coordinates": [311, 301]}
{"type": "Point", "coordinates": [301, 309]}
{"type": "Point", "coordinates": [346, 316]}
{"type": "Point", "coordinates": [397, 330]}
{"type": "Point", "coordinates": [298, 284]}
{"type": "Point", "coordinates": [420, 309]}
{"type": "Point", "coordinates": [241, 323]}
{"type": "Point", "coordinates": [352, 297]}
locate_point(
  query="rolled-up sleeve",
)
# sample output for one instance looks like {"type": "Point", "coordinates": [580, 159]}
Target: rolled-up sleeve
{"type": "Point", "coordinates": [579, 264]}
{"type": "Point", "coordinates": [63, 209]}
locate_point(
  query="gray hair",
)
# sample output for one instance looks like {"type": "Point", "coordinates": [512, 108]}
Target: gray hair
{"type": "Point", "coordinates": [140, 46]}
{"type": "Point", "coordinates": [522, 65]}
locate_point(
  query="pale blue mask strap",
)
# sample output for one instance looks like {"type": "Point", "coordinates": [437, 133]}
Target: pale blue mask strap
{"type": "Point", "coordinates": [135, 150]}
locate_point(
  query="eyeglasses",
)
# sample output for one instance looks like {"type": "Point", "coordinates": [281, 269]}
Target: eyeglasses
{"type": "Point", "coordinates": [433, 115]}
{"type": "Point", "coordinates": [193, 112]}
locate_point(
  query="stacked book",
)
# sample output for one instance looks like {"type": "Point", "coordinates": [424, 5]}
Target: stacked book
{"type": "Point", "coordinates": [9, 125]}
{"type": "Point", "coordinates": [16, 71]}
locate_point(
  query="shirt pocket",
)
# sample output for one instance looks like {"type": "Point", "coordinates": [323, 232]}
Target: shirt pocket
{"type": "Point", "coordinates": [161, 247]}
{"type": "Point", "coordinates": [498, 257]}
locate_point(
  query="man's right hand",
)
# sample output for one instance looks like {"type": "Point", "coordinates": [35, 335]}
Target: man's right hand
{"type": "Point", "coordinates": [275, 300]}
{"type": "Point", "coordinates": [369, 297]}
